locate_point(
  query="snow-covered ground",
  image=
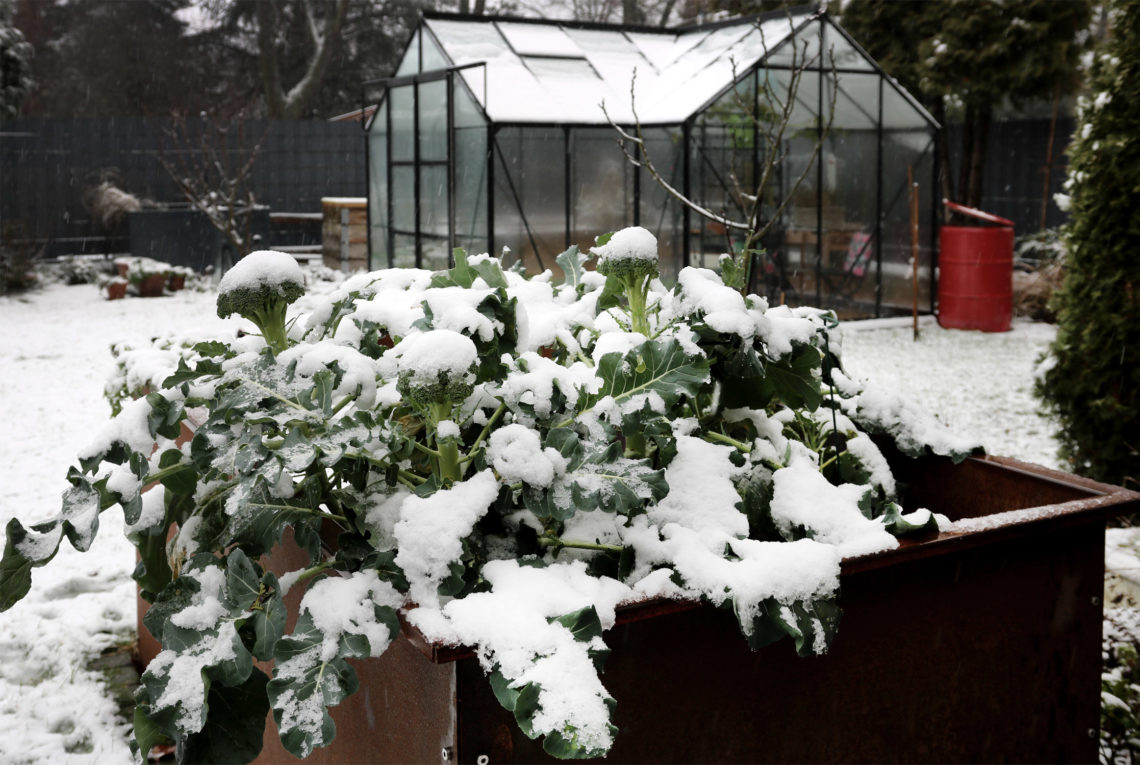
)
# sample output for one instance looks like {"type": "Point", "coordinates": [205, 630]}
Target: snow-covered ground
{"type": "Point", "coordinates": [54, 360]}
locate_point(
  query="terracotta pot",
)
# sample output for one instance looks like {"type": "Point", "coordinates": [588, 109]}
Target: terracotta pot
{"type": "Point", "coordinates": [116, 290]}
{"type": "Point", "coordinates": [152, 286]}
{"type": "Point", "coordinates": [176, 282]}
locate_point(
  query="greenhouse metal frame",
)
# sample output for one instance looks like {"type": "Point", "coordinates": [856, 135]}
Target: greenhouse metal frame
{"type": "Point", "coordinates": [492, 134]}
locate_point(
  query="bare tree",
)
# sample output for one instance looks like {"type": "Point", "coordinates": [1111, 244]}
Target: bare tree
{"type": "Point", "coordinates": [770, 116]}
{"type": "Point", "coordinates": [211, 164]}
{"type": "Point", "coordinates": [325, 39]}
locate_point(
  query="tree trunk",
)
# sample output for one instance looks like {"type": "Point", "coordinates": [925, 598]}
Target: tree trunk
{"type": "Point", "coordinates": [295, 103]}
{"type": "Point", "coordinates": [967, 151]}
{"type": "Point", "coordinates": [267, 57]}
{"type": "Point", "coordinates": [631, 12]}
{"type": "Point", "coordinates": [981, 129]}
{"type": "Point", "coordinates": [944, 155]}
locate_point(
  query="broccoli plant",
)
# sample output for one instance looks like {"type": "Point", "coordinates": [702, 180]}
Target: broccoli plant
{"type": "Point", "coordinates": [260, 288]}
{"type": "Point", "coordinates": [468, 451]}
{"type": "Point", "coordinates": [629, 258]}
{"type": "Point", "coordinates": [436, 375]}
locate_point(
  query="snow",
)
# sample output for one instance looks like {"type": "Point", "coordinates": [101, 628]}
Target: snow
{"type": "Point", "coordinates": [55, 359]}
{"type": "Point", "coordinates": [632, 243]}
{"type": "Point", "coordinates": [429, 356]}
{"type": "Point", "coordinates": [431, 530]}
{"type": "Point", "coordinates": [264, 267]}
{"type": "Point", "coordinates": [345, 606]}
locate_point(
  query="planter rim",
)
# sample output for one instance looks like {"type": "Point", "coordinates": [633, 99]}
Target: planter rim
{"type": "Point", "coordinates": [1103, 501]}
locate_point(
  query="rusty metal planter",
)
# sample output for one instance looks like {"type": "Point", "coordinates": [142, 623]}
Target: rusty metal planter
{"type": "Point", "coordinates": [973, 645]}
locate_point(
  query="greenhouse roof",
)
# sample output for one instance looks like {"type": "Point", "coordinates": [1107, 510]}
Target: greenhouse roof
{"type": "Point", "coordinates": [560, 72]}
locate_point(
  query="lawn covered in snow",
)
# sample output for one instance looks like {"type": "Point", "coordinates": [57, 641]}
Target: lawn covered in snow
{"type": "Point", "coordinates": [55, 356]}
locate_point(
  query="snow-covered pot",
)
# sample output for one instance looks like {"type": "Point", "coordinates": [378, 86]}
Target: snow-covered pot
{"type": "Point", "coordinates": [979, 643]}
{"type": "Point", "coordinates": [116, 288]}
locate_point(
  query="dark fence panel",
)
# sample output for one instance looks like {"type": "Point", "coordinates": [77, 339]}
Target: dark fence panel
{"type": "Point", "coordinates": [1014, 177]}
{"type": "Point", "coordinates": [46, 165]}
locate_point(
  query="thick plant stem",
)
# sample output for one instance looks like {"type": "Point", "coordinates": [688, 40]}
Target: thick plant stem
{"type": "Point", "coordinates": [447, 460]}
{"type": "Point", "coordinates": [574, 545]}
{"type": "Point", "coordinates": [636, 296]}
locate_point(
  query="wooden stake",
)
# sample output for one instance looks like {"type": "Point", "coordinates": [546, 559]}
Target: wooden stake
{"type": "Point", "coordinates": [913, 241]}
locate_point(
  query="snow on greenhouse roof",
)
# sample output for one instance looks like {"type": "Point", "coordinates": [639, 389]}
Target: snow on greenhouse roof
{"type": "Point", "coordinates": [557, 72]}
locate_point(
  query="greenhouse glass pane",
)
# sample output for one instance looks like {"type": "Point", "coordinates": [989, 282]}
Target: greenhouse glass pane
{"type": "Point", "coordinates": [509, 230]}
{"type": "Point", "coordinates": [601, 186]}
{"type": "Point", "coordinates": [660, 212]}
{"type": "Point", "coordinates": [404, 251]}
{"type": "Point", "coordinates": [464, 42]}
{"type": "Point", "coordinates": [899, 112]}
{"type": "Point", "coordinates": [433, 199]}
{"type": "Point", "coordinates": [843, 54]}
{"type": "Point", "coordinates": [776, 87]}
{"type": "Point", "coordinates": [533, 193]}
{"type": "Point", "coordinates": [432, 57]}
{"type": "Point", "coordinates": [798, 50]}
{"type": "Point", "coordinates": [433, 120]}
{"type": "Point", "coordinates": [857, 103]}
{"type": "Point", "coordinates": [846, 213]}
{"type": "Point", "coordinates": [378, 186]}
{"type": "Point", "coordinates": [411, 62]}
{"type": "Point", "coordinates": [562, 68]}
{"type": "Point", "coordinates": [404, 198]}
{"type": "Point", "coordinates": [536, 40]}
{"type": "Point", "coordinates": [465, 111]}
{"type": "Point", "coordinates": [436, 254]}
{"type": "Point", "coordinates": [402, 101]}
{"type": "Point", "coordinates": [901, 151]}
{"type": "Point", "coordinates": [470, 163]}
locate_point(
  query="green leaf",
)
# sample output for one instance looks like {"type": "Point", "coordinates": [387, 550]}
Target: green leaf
{"type": "Point", "coordinates": [311, 674]}
{"type": "Point", "coordinates": [268, 619]}
{"type": "Point", "coordinates": [564, 745]}
{"type": "Point", "coordinates": [182, 482]}
{"type": "Point", "coordinates": [203, 649]}
{"type": "Point", "coordinates": [165, 417]}
{"type": "Point", "coordinates": [792, 379]}
{"type": "Point", "coordinates": [235, 724]}
{"type": "Point", "coordinates": [660, 367]}
{"type": "Point", "coordinates": [501, 686]}
{"type": "Point", "coordinates": [148, 733]}
{"type": "Point", "coordinates": [572, 262]}
{"type": "Point", "coordinates": [583, 624]}
{"type": "Point", "coordinates": [810, 624]}
{"type": "Point", "coordinates": [22, 553]}
{"type": "Point", "coordinates": [492, 273]}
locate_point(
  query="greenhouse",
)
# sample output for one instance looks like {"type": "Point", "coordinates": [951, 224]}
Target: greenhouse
{"type": "Point", "coordinates": [508, 133]}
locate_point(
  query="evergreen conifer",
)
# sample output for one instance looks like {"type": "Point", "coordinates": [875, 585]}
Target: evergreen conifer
{"type": "Point", "coordinates": [1091, 380]}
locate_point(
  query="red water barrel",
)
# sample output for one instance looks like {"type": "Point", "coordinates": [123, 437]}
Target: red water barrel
{"type": "Point", "coordinates": [975, 281]}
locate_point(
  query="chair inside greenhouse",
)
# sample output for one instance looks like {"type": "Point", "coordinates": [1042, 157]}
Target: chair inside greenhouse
{"type": "Point", "coordinates": [530, 136]}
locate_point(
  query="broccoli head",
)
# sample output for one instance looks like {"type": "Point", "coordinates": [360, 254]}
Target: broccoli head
{"type": "Point", "coordinates": [437, 368]}
{"type": "Point", "coordinates": [260, 288]}
{"type": "Point", "coordinates": [629, 258]}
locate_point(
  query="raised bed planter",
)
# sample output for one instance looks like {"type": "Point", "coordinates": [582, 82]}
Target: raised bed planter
{"type": "Point", "coordinates": [981, 643]}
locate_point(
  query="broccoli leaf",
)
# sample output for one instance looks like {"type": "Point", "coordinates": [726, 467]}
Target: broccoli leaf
{"type": "Point", "coordinates": [311, 673]}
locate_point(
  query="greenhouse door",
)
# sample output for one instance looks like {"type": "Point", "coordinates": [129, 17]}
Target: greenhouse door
{"type": "Point", "coordinates": [419, 171]}
{"type": "Point", "coordinates": [428, 171]}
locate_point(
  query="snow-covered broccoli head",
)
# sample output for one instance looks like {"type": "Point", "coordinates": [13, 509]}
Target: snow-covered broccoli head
{"type": "Point", "coordinates": [630, 255]}
{"type": "Point", "coordinates": [437, 367]}
{"type": "Point", "coordinates": [260, 288]}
